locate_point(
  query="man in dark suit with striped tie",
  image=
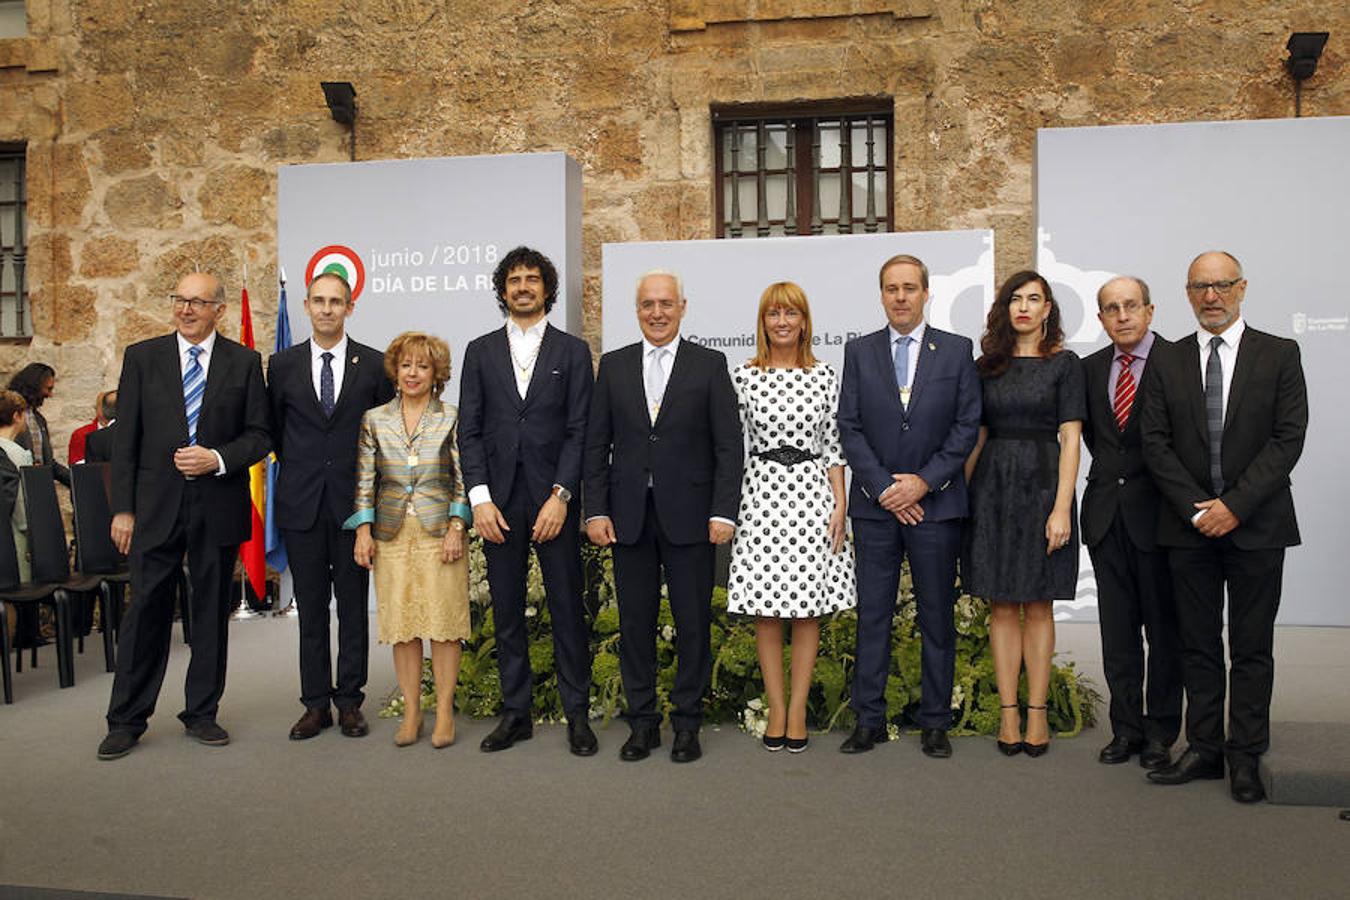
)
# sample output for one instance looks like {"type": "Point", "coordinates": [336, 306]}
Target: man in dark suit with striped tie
{"type": "Point", "coordinates": [192, 418]}
{"type": "Point", "coordinates": [1120, 525]}
{"type": "Point", "coordinates": [1225, 422]}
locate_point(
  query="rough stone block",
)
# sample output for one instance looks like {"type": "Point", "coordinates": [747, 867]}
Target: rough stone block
{"type": "Point", "coordinates": [148, 201]}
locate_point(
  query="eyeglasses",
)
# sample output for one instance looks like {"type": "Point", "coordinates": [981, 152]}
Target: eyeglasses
{"type": "Point", "coordinates": [196, 304]}
{"type": "Point", "coordinates": [1222, 288]}
{"type": "Point", "coordinates": [1115, 310]}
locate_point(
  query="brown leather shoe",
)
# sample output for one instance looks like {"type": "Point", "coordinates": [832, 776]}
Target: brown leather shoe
{"type": "Point", "coordinates": [352, 723]}
{"type": "Point", "coordinates": [314, 720]}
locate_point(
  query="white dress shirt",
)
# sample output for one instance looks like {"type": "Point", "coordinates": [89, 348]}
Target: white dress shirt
{"type": "Point", "coordinates": [316, 353]}
{"type": "Point", "coordinates": [667, 363]}
{"type": "Point", "coordinates": [204, 359]}
{"type": "Point", "coordinates": [1231, 336]}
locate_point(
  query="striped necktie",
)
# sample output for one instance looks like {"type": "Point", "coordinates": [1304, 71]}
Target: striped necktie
{"type": "Point", "coordinates": [1125, 388]}
{"type": "Point", "coordinates": [1214, 413]}
{"type": "Point", "coordinates": [194, 382]}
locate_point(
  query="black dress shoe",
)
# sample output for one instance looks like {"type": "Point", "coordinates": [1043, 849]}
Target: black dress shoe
{"type": "Point", "coordinates": [797, 745]}
{"type": "Point", "coordinates": [935, 744]}
{"type": "Point", "coordinates": [208, 733]}
{"type": "Point", "coordinates": [863, 739]}
{"type": "Point", "coordinates": [509, 730]}
{"type": "Point", "coordinates": [1119, 751]}
{"type": "Point", "coordinates": [117, 744]}
{"type": "Point", "coordinates": [315, 719]}
{"type": "Point", "coordinates": [352, 722]}
{"type": "Point", "coordinates": [1190, 766]}
{"type": "Point", "coordinates": [580, 739]}
{"type": "Point", "coordinates": [685, 747]}
{"type": "Point", "coordinates": [1245, 783]}
{"type": "Point", "coordinates": [774, 743]}
{"type": "Point", "coordinates": [640, 744]}
{"type": "Point", "coordinates": [1009, 749]}
{"type": "Point", "coordinates": [1155, 755]}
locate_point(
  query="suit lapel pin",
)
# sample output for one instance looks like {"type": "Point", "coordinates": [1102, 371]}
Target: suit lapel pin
{"type": "Point", "coordinates": [932, 346]}
{"type": "Point", "coordinates": [355, 360]}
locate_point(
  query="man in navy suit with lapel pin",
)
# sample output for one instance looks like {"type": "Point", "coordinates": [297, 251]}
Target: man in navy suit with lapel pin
{"type": "Point", "coordinates": [1120, 526]}
{"type": "Point", "coordinates": [525, 390]}
{"type": "Point", "coordinates": [191, 418]}
{"type": "Point", "coordinates": [909, 415]}
{"type": "Point", "coordinates": [1224, 426]}
{"type": "Point", "coordinates": [664, 459]}
{"type": "Point", "coordinates": [319, 389]}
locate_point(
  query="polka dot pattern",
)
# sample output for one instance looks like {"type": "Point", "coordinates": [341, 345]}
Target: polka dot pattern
{"type": "Point", "coordinates": [782, 564]}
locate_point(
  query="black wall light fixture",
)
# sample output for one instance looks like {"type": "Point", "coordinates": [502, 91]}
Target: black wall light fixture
{"type": "Point", "coordinates": [1305, 48]}
{"type": "Point", "coordinates": [341, 99]}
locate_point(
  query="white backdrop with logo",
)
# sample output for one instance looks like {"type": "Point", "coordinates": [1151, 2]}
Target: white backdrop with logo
{"type": "Point", "coordinates": [1146, 199]}
{"type": "Point", "coordinates": [419, 239]}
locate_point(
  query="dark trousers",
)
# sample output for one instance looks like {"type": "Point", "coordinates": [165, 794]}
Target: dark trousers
{"type": "Point", "coordinates": [560, 564]}
{"type": "Point", "coordinates": [143, 640]}
{"type": "Point", "coordinates": [1134, 600]}
{"type": "Point", "coordinates": [932, 548]}
{"type": "Point", "coordinates": [323, 566]}
{"type": "Point", "coordinates": [1253, 579]}
{"type": "Point", "coordinates": [637, 581]}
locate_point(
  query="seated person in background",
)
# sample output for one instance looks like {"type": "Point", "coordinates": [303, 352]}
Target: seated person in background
{"type": "Point", "coordinates": [98, 444]}
{"type": "Point", "coordinates": [35, 382]}
{"type": "Point", "coordinates": [13, 421]}
{"type": "Point", "coordinates": [76, 450]}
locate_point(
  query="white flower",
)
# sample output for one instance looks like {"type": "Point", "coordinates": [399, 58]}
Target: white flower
{"type": "Point", "coordinates": [756, 704]}
{"type": "Point", "coordinates": [958, 695]}
{"type": "Point", "coordinates": [530, 612]}
{"type": "Point", "coordinates": [667, 633]}
{"type": "Point", "coordinates": [892, 732]}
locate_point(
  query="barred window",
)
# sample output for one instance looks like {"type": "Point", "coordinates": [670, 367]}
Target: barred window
{"type": "Point", "coordinates": [15, 320]}
{"type": "Point", "coordinates": [803, 171]}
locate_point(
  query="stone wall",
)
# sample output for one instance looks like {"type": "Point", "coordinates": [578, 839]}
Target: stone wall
{"type": "Point", "coordinates": [155, 127]}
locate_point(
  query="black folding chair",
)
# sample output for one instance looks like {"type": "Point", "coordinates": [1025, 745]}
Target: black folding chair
{"type": "Point", "coordinates": [51, 559]}
{"type": "Point", "coordinates": [27, 595]}
{"type": "Point", "coordinates": [95, 553]}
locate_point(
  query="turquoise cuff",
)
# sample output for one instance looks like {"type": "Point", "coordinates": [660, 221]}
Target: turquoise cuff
{"type": "Point", "coordinates": [463, 512]}
{"type": "Point", "coordinates": [359, 518]}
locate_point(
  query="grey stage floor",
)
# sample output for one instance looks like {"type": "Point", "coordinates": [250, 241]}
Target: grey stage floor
{"type": "Point", "coordinates": [266, 817]}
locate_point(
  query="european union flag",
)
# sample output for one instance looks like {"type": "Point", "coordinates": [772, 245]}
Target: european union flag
{"type": "Point", "coordinates": [276, 548]}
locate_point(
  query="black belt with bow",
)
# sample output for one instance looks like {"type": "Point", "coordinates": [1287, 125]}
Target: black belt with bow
{"type": "Point", "coordinates": [785, 456]}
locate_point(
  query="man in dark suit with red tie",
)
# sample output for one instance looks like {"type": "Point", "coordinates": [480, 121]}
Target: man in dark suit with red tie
{"type": "Point", "coordinates": [192, 418]}
{"type": "Point", "coordinates": [1226, 418]}
{"type": "Point", "coordinates": [319, 390]}
{"type": "Point", "coordinates": [1120, 525]}
{"type": "Point", "coordinates": [524, 393]}
{"type": "Point", "coordinates": [664, 459]}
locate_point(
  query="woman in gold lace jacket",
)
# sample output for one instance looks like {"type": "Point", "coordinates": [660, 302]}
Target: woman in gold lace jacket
{"type": "Point", "coordinates": [411, 504]}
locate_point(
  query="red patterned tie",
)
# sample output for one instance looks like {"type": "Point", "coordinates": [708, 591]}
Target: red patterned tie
{"type": "Point", "coordinates": [1125, 387]}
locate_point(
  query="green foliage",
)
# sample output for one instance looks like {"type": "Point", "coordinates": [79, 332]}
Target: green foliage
{"type": "Point", "coordinates": [737, 692]}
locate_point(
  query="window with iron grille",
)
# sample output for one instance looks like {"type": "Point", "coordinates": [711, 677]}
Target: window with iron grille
{"type": "Point", "coordinates": [803, 171]}
{"type": "Point", "coordinates": [15, 320]}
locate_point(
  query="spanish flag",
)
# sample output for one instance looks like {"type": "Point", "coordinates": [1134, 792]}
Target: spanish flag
{"type": "Point", "coordinates": [254, 552]}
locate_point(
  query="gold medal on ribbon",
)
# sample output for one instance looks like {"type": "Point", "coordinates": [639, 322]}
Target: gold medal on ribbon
{"type": "Point", "coordinates": [412, 460]}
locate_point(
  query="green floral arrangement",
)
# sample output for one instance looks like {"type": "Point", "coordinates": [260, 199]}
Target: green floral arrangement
{"type": "Point", "coordinates": [737, 693]}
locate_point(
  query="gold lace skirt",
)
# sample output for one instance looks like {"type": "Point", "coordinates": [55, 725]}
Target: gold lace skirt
{"type": "Point", "coordinates": [417, 595]}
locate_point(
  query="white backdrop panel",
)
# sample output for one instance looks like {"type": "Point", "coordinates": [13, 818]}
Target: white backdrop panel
{"type": "Point", "coordinates": [428, 234]}
{"type": "Point", "coordinates": [1145, 199]}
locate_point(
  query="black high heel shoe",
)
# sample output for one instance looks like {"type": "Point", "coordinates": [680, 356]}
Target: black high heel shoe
{"type": "Point", "coordinates": [775, 743]}
{"type": "Point", "coordinates": [1034, 750]}
{"type": "Point", "coordinates": [1006, 748]}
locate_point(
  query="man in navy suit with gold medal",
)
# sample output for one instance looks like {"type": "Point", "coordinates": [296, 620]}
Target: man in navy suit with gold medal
{"type": "Point", "coordinates": [525, 390]}
{"type": "Point", "coordinates": [909, 415]}
{"type": "Point", "coordinates": [319, 389]}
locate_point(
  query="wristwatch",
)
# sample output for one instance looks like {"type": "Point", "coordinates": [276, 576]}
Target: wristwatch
{"type": "Point", "coordinates": [562, 493]}
{"type": "Point", "coordinates": [457, 524]}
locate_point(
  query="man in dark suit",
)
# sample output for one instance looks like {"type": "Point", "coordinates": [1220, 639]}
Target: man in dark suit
{"type": "Point", "coordinates": [98, 443]}
{"type": "Point", "coordinates": [524, 393]}
{"type": "Point", "coordinates": [1223, 428]}
{"type": "Point", "coordinates": [664, 458]}
{"type": "Point", "coordinates": [192, 419]}
{"type": "Point", "coordinates": [318, 391]}
{"type": "Point", "coordinates": [909, 415]}
{"type": "Point", "coordinates": [1120, 524]}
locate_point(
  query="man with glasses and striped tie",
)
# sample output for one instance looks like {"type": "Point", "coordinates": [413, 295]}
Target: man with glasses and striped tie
{"type": "Point", "coordinates": [1224, 426]}
{"type": "Point", "coordinates": [1120, 525]}
{"type": "Point", "coordinates": [192, 417]}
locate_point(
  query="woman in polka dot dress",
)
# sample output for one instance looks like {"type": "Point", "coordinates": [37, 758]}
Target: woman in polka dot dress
{"type": "Point", "coordinates": [789, 559]}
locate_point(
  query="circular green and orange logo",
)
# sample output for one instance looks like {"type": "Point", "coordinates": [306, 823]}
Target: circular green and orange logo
{"type": "Point", "coordinates": [335, 259]}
